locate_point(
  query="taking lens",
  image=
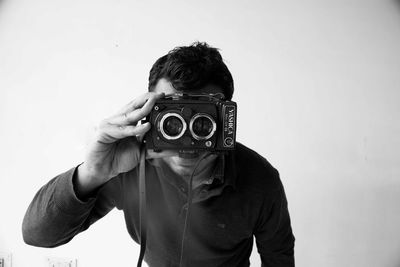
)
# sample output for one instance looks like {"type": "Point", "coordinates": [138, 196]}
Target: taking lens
{"type": "Point", "coordinates": [202, 126]}
{"type": "Point", "coordinates": [172, 126]}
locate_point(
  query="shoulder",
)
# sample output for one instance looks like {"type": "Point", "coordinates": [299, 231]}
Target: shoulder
{"type": "Point", "coordinates": [254, 172]}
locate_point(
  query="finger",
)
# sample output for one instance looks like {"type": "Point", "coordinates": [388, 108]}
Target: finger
{"type": "Point", "coordinates": [150, 154]}
{"type": "Point", "coordinates": [123, 119]}
{"type": "Point", "coordinates": [137, 114]}
{"type": "Point", "coordinates": [140, 137]}
{"type": "Point", "coordinates": [110, 133]}
{"type": "Point", "coordinates": [139, 102]}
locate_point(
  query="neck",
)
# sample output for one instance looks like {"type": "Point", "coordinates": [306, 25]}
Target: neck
{"type": "Point", "coordinates": [201, 174]}
{"type": "Point", "coordinates": [203, 171]}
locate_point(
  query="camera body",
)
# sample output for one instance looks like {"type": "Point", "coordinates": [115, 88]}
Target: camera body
{"type": "Point", "coordinates": [192, 122]}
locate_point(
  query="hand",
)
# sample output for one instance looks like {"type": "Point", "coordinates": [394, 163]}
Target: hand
{"type": "Point", "coordinates": [116, 148]}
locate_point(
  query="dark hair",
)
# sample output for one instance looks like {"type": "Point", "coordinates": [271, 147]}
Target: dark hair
{"type": "Point", "coordinates": [191, 68]}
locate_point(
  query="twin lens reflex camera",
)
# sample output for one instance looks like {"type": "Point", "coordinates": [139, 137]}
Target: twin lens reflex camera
{"type": "Point", "coordinates": [192, 122]}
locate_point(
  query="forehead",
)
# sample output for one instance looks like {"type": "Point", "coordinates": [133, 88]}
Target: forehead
{"type": "Point", "coordinates": [164, 86]}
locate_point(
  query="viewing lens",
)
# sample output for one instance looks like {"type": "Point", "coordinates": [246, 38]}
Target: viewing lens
{"type": "Point", "coordinates": [173, 126]}
{"type": "Point", "coordinates": [202, 126]}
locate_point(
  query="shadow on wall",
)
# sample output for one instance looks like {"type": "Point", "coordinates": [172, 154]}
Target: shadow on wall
{"type": "Point", "coordinates": [396, 2]}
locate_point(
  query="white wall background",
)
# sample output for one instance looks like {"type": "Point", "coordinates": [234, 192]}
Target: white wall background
{"type": "Point", "coordinates": [317, 85]}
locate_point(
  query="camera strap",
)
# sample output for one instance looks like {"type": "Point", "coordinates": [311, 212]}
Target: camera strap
{"type": "Point", "coordinates": [142, 208]}
{"type": "Point", "coordinates": [142, 205]}
{"type": "Point", "coordinates": [187, 217]}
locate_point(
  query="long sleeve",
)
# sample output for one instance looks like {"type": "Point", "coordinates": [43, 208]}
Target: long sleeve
{"type": "Point", "coordinates": [274, 237]}
{"type": "Point", "coordinates": [56, 215]}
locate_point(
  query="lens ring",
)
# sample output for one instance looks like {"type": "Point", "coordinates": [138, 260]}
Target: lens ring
{"type": "Point", "coordinates": [202, 115]}
{"type": "Point", "coordinates": [163, 131]}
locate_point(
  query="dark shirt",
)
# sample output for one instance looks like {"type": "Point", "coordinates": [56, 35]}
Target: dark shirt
{"type": "Point", "coordinates": [243, 198]}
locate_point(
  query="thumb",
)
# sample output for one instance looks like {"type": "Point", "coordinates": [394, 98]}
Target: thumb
{"type": "Point", "coordinates": [150, 154]}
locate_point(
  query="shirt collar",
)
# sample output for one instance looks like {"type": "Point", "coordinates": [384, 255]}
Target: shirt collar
{"type": "Point", "coordinates": [229, 167]}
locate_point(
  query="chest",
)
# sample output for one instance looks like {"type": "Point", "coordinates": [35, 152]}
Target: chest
{"type": "Point", "coordinates": [220, 222]}
{"type": "Point", "coordinates": [216, 222]}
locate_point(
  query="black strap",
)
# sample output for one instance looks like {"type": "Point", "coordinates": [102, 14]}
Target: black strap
{"type": "Point", "coordinates": [189, 203]}
{"type": "Point", "coordinates": [142, 206]}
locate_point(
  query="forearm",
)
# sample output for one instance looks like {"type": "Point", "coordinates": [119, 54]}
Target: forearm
{"type": "Point", "coordinates": [55, 215]}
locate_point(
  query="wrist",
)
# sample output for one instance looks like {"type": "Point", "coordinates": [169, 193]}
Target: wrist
{"type": "Point", "coordinates": [86, 181]}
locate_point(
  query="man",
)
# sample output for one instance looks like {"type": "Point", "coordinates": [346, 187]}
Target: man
{"type": "Point", "coordinates": [236, 195]}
